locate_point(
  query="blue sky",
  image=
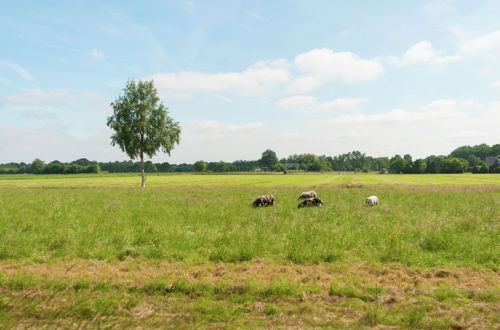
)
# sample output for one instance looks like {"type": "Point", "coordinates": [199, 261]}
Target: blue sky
{"type": "Point", "coordinates": [327, 77]}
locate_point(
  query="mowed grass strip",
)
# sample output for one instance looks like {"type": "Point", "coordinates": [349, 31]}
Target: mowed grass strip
{"type": "Point", "coordinates": [138, 292]}
{"type": "Point", "coordinates": [413, 225]}
{"type": "Point", "coordinates": [243, 180]}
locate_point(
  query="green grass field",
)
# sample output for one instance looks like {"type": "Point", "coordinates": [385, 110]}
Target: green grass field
{"type": "Point", "coordinates": [190, 251]}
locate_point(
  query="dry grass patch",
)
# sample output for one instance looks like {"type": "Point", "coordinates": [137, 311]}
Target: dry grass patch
{"type": "Point", "coordinates": [138, 292]}
{"type": "Point", "coordinates": [139, 270]}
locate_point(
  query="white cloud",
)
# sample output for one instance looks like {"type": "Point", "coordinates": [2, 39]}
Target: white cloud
{"type": "Point", "coordinates": [344, 66]}
{"type": "Point", "coordinates": [424, 52]}
{"type": "Point", "coordinates": [303, 84]}
{"type": "Point", "coordinates": [483, 44]}
{"type": "Point", "coordinates": [341, 104]}
{"type": "Point", "coordinates": [51, 98]}
{"type": "Point", "coordinates": [449, 105]}
{"type": "Point", "coordinates": [36, 97]}
{"type": "Point", "coordinates": [215, 127]}
{"type": "Point", "coordinates": [260, 78]}
{"type": "Point", "coordinates": [435, 113]}
{"type": "Point", "coordinates": [71, 107]}
{"type": "Point", "coordinates": [496, 84]}
{"type": "Point", "coordinates": [298, 101]}
{"type": "Point", "coordinates": [97, 54]}
{"type": "Point", "coordinates": [310, 103]}
{"type": "Point", "coordinates": [327, 65]}
{"type": "Point", "coordinates": [214, 141]}
{"type": "Point", "coordinates": [57, 142]}
{"type": "Point", "coordinates": [468, 135]}
{"type": "Point", "coordinates": [393, 117]}
{"type": "Point", "coordinates": [53, 142]}
{"type": "Point", "coordinates": [18, 69]}
{"type": "Point", "coordinates": [494, 110]}
{"type": "Point", "coordinates": [435, 128]}
{"type": "Point", "coordinates": [306, 72]}
{"type": "Point", "coordinates": [165, 95]}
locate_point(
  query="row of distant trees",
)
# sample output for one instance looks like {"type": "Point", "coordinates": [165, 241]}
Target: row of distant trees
{"type": "Point", "coordinates": [462, 159]}
{"type": "Point", "coordinates": [55, 167]}
{"type": "Point", "coordinates": [84, 165]}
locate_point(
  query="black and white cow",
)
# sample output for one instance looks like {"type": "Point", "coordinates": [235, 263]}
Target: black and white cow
{"type": "Point", "coordinates": [315, 201]}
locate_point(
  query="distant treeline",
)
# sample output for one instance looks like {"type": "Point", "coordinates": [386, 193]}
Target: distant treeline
{"type": "Point", "coordinates": [84, 165]}
{"type": "Point", "coordinates": [480, 158]}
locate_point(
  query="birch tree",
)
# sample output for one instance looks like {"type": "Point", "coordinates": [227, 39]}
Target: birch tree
{"type": "Point", "coordinates": [141, 123]}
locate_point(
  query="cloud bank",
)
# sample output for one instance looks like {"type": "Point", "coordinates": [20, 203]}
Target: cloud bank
{"type": "Point", "coordinates": [306, 72]}
{"type": "Point", "coordinates": [424, 52]}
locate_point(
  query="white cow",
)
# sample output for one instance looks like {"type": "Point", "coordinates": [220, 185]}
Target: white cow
{"type": "Point", "coordinates": [308, 194]}
{"type": "Point", "coordinates": [371, 200]}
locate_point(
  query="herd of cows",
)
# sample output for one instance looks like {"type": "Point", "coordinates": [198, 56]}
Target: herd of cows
{"type": "Point", "coordinates": [309, 198]}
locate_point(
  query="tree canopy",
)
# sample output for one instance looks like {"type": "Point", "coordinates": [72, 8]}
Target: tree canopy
{"type": "Point", "coordinates": [200, 166]}
{"type": "Point", "coordinates": [141, 123]}
{"type": "Point", "coordinates": [268, 159]}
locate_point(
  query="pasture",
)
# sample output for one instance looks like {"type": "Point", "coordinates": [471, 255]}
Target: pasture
{"type": "Point", "coordinates": [189, 250]}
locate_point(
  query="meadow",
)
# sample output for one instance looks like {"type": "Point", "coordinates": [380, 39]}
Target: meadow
{"type": "Point", "coordinates": [190, 251]}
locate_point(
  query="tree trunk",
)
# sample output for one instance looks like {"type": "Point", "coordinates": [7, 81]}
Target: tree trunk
{"type": "Point", "coordinates": [143, 175]}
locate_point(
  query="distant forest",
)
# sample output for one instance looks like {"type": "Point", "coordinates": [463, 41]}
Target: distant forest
{"type": "Point", "coordinates": [480, 158]}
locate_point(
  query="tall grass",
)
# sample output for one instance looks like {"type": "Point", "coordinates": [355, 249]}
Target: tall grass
{"type": "Point", "coordinates": [424, 226]}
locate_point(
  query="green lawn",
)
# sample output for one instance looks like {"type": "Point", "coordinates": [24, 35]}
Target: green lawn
{"type": "Point", "coordinates": [191, 249]}
{"type": "Point", "coordinates": [239, 180]}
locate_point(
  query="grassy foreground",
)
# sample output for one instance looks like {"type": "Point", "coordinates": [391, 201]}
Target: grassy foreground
{"type": "Point", "coordinates": [191, 251]}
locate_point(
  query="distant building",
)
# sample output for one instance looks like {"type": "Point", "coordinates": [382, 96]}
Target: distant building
{"type": "Point", "coordinates": [492, 160]}
{"type": "Point", "coordinates": [383, 171]}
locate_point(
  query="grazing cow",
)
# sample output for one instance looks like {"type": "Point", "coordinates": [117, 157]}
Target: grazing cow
{"type": "Point", "coordinates": [315, 201]}
{"type": "Point", "coordinates": [307, 194]}
{"type": "Point", "coordinates": [372, 200]}
{"type": "Point", "coordinates": [265, 200]}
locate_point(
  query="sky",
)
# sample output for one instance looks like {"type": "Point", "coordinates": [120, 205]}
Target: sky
{"type": "Point", "coordinates": [295, 76]}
